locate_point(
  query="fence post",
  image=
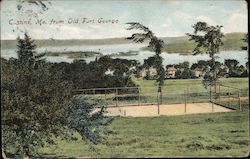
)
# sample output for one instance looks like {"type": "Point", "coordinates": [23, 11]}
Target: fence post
{"type": "Point", "coordinates": [219, 93]}
{"type": "Point", "coordinates": [139, 98]}
{"type": "Point", "coordinates": [229, 103]}
{"type": "Point", "coordinates": [158, 106]}
{"type": "Point", "coordinates": [210, 94]}
{"type": "Point", "coordinates": [239, 100]}
{"type": "Point", "coordinates": [105, 95]}
{"type": "Point", "coordinates": [212, 107]}
{"type": "Point", "coordinates": [215, 87]}
{"type": "Point", "coordinates": [116, 93]}
{"type": "Point", "coordinates": [188, 93]}
{"type": "Point", "coordinates": [185, 95]}
{"type": "Point", "coordinates": [94, 91]}
{"type": "Point", "coordinates": [161, 95]}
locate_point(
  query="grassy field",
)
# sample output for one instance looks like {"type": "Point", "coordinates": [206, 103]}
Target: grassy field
{"type": "Point", "coordinates": [201, 135]}
{"type": "Point", "coordinates": [220, 134]}
{"type": "Point", "coordinates": [177, 86]}
{"type": "Point", "coordinates": [177, 91]}
{"type": "Point", "coordinates": [232, 41]}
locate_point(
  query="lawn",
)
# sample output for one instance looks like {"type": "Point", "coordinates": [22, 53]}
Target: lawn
{"type": "Point", "coordinates": [174, 89]}
{"type": "Point", "coordinates": [176, 86]}
{"type": "Point", "coordinates": [219, 134]}
{"type": "Point", "coordinates": [201, 135]}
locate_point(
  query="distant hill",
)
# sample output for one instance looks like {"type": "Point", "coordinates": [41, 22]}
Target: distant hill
{"type": "Point", "coordinates": [9, 44]}
{"type": "Point", "coordinates": [232, 41]}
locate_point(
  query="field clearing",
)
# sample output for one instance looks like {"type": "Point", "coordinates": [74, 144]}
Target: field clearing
{"type": "Point", "coordinates": [172, 109]}
{"type": "Point", "coordinates": [220, 134]}
{"type": "Point", "coordinates": [177, 86]}
{"type": "Point", "coordinates": [197, 135]}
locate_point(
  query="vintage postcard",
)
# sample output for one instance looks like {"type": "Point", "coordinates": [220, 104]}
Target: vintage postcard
{"type": "Point", "coordinates": [124, 78]}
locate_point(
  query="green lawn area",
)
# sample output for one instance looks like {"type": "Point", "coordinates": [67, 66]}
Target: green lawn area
{"type": "Point", "coordinates": [201, 135]}
{"type": "Point", "coordinates": [220, 134]}
{"type": "Point", "coordinates": [174, 92]}
{"type": "Point", "coordinates": [177, 86]}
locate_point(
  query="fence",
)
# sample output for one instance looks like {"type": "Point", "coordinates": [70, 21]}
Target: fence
{"type": "Point", "coordinates": [183, 94]}
{"type": "Point", "coordinates": [226, 96]}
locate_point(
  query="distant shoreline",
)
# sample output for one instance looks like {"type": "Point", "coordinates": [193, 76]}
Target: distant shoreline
{"type": "Point", "coordinates": [232, 41]}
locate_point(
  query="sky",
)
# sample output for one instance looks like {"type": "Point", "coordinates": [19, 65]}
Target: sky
{"type": "Point", "coordinates": [166, 18]}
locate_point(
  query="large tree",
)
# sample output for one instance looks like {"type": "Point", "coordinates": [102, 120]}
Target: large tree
{"type": "Point", "coordinates": [155, 44]}
{"type": "Point", "coordinates": [246, 48]}
{"type": "Point", "coordinates": [208, 40]}
{"type": "Point", "coordinates": [37, 104]}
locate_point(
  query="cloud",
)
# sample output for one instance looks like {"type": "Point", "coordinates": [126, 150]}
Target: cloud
{"type": "Point", "coordinates": [72, 32]}
{"type": "Point", "coordinates": [174, 2]}
{"type": "Point", "coordinates": [167, 23]}
{"type": "Point", "coordinates": [39, 34]}
{"type": "Point", "coordinates": [64, 11]}
{"type": "Point", "coordinates": [206, 19]}
{"type": "Point", "coordinates": [182, 16]}
{"type": "Point", "coordinates": [237, 22]}
{"type": "Point", "coordinates": [8, 36]}
{"type": "Point", "coordinates": [62, 32]}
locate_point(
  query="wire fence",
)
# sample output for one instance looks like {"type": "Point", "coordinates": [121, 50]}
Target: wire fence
{"type": "Point", "coordinates": [226, 96]}
{"type": "Point", "coordinates": [219, 94]}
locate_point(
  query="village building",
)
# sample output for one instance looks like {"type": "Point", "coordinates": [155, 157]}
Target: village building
{"type": "Point", "coordinates": [152, 71]}
{"type": "Point", "coordinates": [198, 72]}
{"type": "Point", "coordinates": [143, 72]}
{"type": "Point", "coordinates": [171, 71]}
{"type": "Point", "coordinates": [225, 68]}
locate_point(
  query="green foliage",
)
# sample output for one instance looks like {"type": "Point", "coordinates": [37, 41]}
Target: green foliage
{"type": "Point", "coordinates": [208, 43]}
{"type": "Point", "coordinates": [93, 125]}
{"type": "Point", "coordinates": [208, 40]}
{"type": "Point", "coordinates": [155, 44]}
{"type": "Point", "coordinates": [234, 69]}
{"type": "Point", "coordinates": [186, 74]}
{"type": "Point", "coordinates": [181, 45]}
{"type": "Point", "coordinates": [147, 77]}
{"type": "Point", "coordinates": [93, 74]}
{"type": "Point", "coordinates": [27, 57]}
{"type": "Point", "coordinates": [32, 99]}
{"type": "Point", "coordinates": [36, 103]}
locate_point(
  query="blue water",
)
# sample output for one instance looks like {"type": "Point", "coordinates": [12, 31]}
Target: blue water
{"type": "Point", "coordinates": [240, 56]}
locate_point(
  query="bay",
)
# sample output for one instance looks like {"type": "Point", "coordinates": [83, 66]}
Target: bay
{"type": "Point", "coordinates": [168, 58]}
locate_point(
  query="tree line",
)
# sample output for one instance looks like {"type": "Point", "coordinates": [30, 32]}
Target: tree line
{"type": "Point", "coordinates": [37, 102]}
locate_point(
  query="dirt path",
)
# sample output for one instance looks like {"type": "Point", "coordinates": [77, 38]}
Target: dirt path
{"type": "Point", "coordinates": [173, 109]}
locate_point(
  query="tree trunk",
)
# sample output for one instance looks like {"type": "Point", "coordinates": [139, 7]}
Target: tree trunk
{"type": "Point", "coordinates": [214, 73]}
{"type": "Point", "coordinates": [3, 154]}
{"type": "Point", "coordinates": [25, 152]}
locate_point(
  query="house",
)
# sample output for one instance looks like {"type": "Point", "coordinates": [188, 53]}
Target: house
{"type": "Point", "coordinates": [150, 71]}
{"type": "Point", "coordinates": [198, 72]}
{"type": "Point", "coordinates": [224, 68]}
{"type": "Point", "coordinates": [141, 72]}
{"type": "Point", "coordinates": [171, 71]}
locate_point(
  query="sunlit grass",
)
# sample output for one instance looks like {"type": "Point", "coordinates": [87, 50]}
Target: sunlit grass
{"type": "Point", "coordinates": [219, 134]}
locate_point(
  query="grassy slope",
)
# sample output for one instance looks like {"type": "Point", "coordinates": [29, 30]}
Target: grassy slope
{"type": "Point", "coordinates": [219, 134]}
{"type": "Point", "coordinates": [11, 44]}
{"type": "Point", "coordinates": [232, 41]}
